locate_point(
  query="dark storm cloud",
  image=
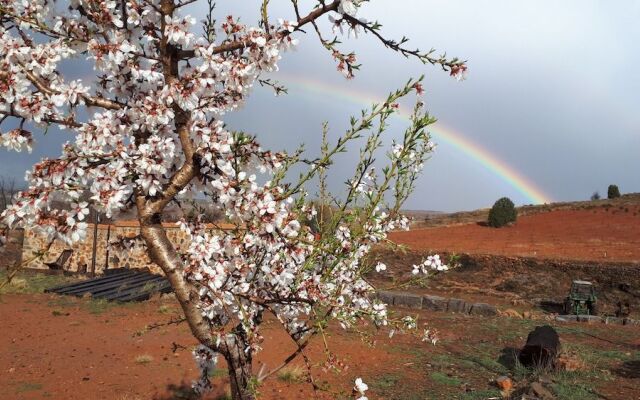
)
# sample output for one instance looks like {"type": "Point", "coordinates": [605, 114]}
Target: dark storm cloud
{"type": "Point", "coordinates": [552, 92]}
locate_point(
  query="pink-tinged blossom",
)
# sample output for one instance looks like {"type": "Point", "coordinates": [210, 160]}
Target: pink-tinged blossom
{"type": "Point", "coordinates": [459, 72]}
{"type": "Point", "coordinates": [17, 140]}
{"type": "Point", "coordinates": [178, 30]}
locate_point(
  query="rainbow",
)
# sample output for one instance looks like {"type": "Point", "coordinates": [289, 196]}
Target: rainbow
{"type": "Point", "coordinates": [481, 155]}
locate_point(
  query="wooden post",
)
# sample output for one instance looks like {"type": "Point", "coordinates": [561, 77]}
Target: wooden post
{"type": "Point", "coordinates": [106, 256]}
{"type": "Point", "coordinates": [96, 220]}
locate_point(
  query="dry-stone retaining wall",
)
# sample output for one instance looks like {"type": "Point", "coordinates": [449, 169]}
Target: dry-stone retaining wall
{"type": "Point", "coordinates": [438, 303]}
{"type": "Point", "coordinates": [435, 303]}
{"type": "Point", "coordinates": [106, 256]}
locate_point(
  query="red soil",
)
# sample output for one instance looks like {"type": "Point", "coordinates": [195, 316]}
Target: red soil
{"type": "Point", "coordinates": [54, 347]}
{"type": "Point", "coordinates": [65, 348]}
{"type": "Point", "coordinates": [599, 234]}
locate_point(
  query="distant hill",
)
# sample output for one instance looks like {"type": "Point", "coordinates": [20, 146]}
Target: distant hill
{"type": "Point", "coordinates": [429, 218]}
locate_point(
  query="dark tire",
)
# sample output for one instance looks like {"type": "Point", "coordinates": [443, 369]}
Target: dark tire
{"type": "Point", "coordinates": [593, 309]}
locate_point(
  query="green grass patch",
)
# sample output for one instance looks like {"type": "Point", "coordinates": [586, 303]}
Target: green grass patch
{"type": "Point", "coordinates": [29, 283]}
{"type": "Point", "coordinates": [292, 375]}
{"type": "Point", "coordinates": [443, 379]}
{"type": "Point", "coordinates": [565, 391]}
{"type": "Point", "coordinates": [25, 387]}
{"type": "Point", "coordinates": [97, 306]}
{"type": "Point", "coordinates": [481, 395]}
{"type": "Point", "coordinates": [144, 359]}
{"type": "Point", "coordinates": [385, 381]}
{"type": "Point", "coordinates": [165, 309]}
{"type": "Point", "coordinates": [409, 350]}
{"type": "Point", "coordinates": [443, 360]}
{"type": "Point", "coordinates": [487, 363]}
{"type": "Point", "coordinates": [218, 373]}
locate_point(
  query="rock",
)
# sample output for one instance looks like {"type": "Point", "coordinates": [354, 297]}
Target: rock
{"type": "Point", "coordinates": [566, 318]}
{"type": "Point", "coordinates": [541, 349]}
{"type": "Point", "coordinates": [629, 321]}
{"type": "Point", "coordinates": [541, 392]}
{"type": "Point", "coordinates": [511, 313]}
{"type": "Point", "coordinates": [570, 363]}
{"type": "Point", "coordinates": [434, 303]}
{"type": "Point", "coordinates": [407, 300]}
{"type": "Point", "coordinates": [613, 320]}
{"type": "Point", "coordinates": [590, 319]}
{"type": "Point", "coordinates": [484, 309]}
{"type": "Point", "coordinates": [505, 384]}
{"type": "Point", "coordinates": [545, 379]}
{"type": "Point", "coordinates": [458, 305]}
{"type": "Point", "coordinates": [385, 297]}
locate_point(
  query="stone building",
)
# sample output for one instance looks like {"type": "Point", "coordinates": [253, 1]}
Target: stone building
{"type": "Point", "coordinates": [106, 257]}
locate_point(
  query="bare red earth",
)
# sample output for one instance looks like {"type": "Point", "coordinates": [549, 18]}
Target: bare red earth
{"type": "Point", "coordinates": [599, 234]}
{"type": "Point", "coordinates": [63, 348]}
{"type": "Point", "coordinates": [54, 347]}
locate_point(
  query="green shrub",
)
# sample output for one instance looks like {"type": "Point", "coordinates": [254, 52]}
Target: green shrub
{"type": "Point", "coordinates": [595, 196]}
{"type": "Point", "coordinates": [613, 192]}
{"type": "Point", "coordinates": [502, 213]}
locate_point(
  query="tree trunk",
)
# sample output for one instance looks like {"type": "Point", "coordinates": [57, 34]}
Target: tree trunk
{"type": "Point", "coordinates": [162, 252]}
{"type": "Point", "coordinates": [239, 364]}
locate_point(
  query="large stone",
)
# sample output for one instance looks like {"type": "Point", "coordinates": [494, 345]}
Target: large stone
{"type": "Point", "coordinates": [569, 362]}
{"type": "Point", "coordinates": [484, 309]}
{"type": "Point", "coordinates": [409, 300]}
{"type": "Point", "coordinates": [386, 297]}
{"type": "Point", "coordinates": [566, 318]}
{"type": "Point", "coordinates": [541, 392]}
{"type": "Point", "coordinates": [613, 320]}
{"type": "Point", "coordinates": [511, 313]}
{"type": "Point", "coordinates": [590, 319]}
{"type": "Point", "coordinates": [434, 303]}
{"type": "Point", "coordinates": [505, 384]}
{"type": "Point", "coordinates": [458, 305]}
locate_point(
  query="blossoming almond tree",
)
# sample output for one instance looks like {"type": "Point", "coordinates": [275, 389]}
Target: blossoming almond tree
{"type": "Point", "coordinates": [148, 131]}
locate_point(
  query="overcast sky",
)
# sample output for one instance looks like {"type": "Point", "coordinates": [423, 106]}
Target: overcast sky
{"type": "Point", "coordinates": [552, 93]}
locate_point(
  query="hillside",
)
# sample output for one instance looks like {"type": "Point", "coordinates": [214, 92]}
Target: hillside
{"type": "Point", "coordinates": [604, 230]}
{"type": "Point", "coordinates": [431, 219]}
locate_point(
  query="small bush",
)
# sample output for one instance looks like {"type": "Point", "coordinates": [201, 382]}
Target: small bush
{"type": "Point", "coordinates": [613, 192]}
{"type": "Point", "coordinates": [502, 213]}
{"type": "Point", "coordinates": [144, 359]}
{"type": "Point", "coordinates": [292, 375]}
{"type": "Point", "coordinates": [595, 196]}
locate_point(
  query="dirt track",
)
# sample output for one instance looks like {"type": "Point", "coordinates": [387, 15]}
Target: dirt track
{"type": "Point", "coordinates": [595, 235]}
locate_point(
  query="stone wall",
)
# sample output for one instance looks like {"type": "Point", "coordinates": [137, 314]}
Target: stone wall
{"type": "Point", "coordinates": [114, 257]}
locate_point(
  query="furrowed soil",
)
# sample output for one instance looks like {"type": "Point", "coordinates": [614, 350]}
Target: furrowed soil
{"type": "Point", "coordinates": [54, 347]}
